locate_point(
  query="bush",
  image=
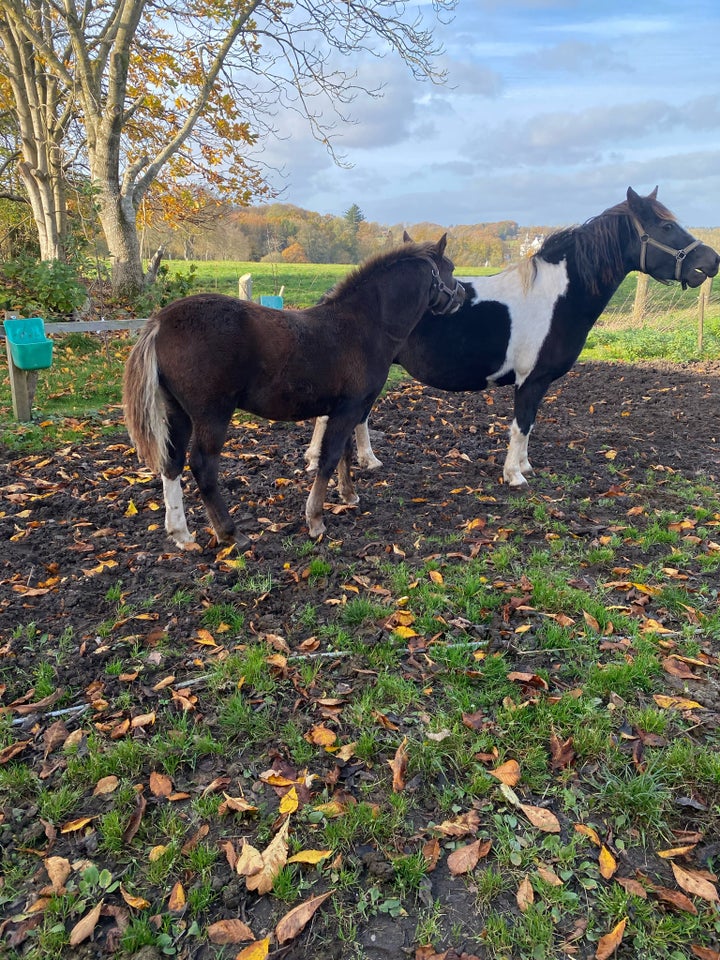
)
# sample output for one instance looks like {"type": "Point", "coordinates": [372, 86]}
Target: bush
{"type": "Point", "coordinates": [45, 287]}
{"type": "Point", "coordinates": [167, 287]}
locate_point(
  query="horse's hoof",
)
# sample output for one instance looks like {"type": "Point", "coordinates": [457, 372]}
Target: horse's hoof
{"type": "Point", "coordinates": [371, 464]}
{"type": "Point", "coordinates": [241, 541]}
{"type": "Point", "coordinates": [316, 529]}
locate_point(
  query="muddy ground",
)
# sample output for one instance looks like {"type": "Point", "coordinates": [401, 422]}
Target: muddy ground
{"type": "Point", "coordinates": [77, 521]}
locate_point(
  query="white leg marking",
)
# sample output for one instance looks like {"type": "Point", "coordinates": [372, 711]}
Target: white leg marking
{"type": "Point", "coordinates": [516, 457]}
{"type": "Point", "coordinates": [175, 522]}
{"type": "Point", "coordinates": [312, 454]}
{"type": "Point", "coordinates": [366, 456]}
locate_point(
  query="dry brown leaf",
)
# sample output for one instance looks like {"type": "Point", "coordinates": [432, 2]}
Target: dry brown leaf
{"type": "Point", "coordinates": [398, 765]}
{"type": "Point", "coordinates": [431, 852]}
{"type": "Point", "coordinates": [692, 882]}
{"type": "Point", "coordinates": [106, 785]}
{"type": "Point", "coordinates": [508, 773]}
{"type": "Point", "coordinates": [135, 820]}
{"type": "Point", "coordinates": [229, 931]}
{"type": "Point", "coordinates": [561, 752]}
{"type": "Point", "coordinates": [54, 737]}
{"type": "Point", "coordinates": [294, 921]}
{"type": "Point", "coordinates": [541, 818]}
{"type": "Point", "coordinates": [249, 860]}
{"type": "Point", "coordinates": [236, 804]}
{"type": "Point", "coordinates": [273, 857]}
{"type": "Point", "coordinates": [676, 851]}
{"type": "Point", "coordinates": [461, 826]}
{"type": "Point", "coordinates": [525, 895]}
{"type": "Point", "coordinates": [466, 858]}
{"type": "Point", "coordinates": [549, 876]}
{"type": "Point", "coordinates": [321, 736]}
{"type": "Point", "coordinates": [85, 926]}
{"type": "Point", "coordinates": [675, 899]}
{"type": "Point", "coordinates": [704, 953]}
{"type": "Point", "coordinates": [58, 869]}
{"type": "Point", "coordinates": [160, 784]}
{"type": "Point", "coordinates": [195, 839]}
{"type": "Point", "coordinates": [632, 886]}
{"type": "Point", "coordinates": [608, 944]}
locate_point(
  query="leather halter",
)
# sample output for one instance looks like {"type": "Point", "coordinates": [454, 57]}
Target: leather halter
{"type": "Point", "coordinates": [647, 241]}
{"type": "Point", "coordinates": [438, 289]}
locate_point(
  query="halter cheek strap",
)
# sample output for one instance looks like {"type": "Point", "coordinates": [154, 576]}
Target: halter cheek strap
{"type": "Point", "coordinates": [647, 241]}
{"type": "Point", "coordinates": [454, 296]}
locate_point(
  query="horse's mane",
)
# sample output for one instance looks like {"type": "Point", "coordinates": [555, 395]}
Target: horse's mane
{"type": "Point", "coordinates": [379, 261]}
{"type": "Point", "coordinates": [595, 245]}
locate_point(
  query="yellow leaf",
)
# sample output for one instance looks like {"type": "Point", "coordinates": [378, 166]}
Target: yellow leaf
{"type": "Point", "coordinates": [405, 632]}
{"type": "Point", "coordinates": [205, 638]}
{"type": "Point", "coordinates": [679, 703]}
{"type": "Point", "coordinates": [273, 858]}
{"type": "Point", "coordinates": [256, 951]}
{"type": "Point", "coordinates": [607, 862]}
{"type": "Point", "coordinates": [436, 576]}
{"type": "Point", "coordinates": [289, 803]}
{"type": "Point", "coordinates": [176, 900]}
{"type": "Point", "coordinates": [309, 856]}
{"type": "Point", "coordinates": [138, 903]}
{"type": "Point", "coordinates": [157, 852]}
{"type": "Point", "coordinates": [74, 825]}
{"type": "Point", "coordinates": [588, 832]}
{"type": "Point", "coordinates": [321, 736]}
{"type": "Point", "coordinates": [131, 510]}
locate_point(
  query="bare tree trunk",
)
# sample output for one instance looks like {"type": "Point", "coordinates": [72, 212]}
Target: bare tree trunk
{"type": "Point", "coordinates": [119, 226]}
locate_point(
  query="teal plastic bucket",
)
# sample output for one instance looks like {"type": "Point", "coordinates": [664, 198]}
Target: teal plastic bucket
{"type": "Point", "coordinates": [30, 349]}
{"type": "Point", "coordinates": [271, 301]}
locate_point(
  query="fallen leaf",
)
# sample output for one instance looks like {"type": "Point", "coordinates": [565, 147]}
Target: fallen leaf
{"type": "Point", "coordinates": [256, 951]}
{"type": "Point", "coordinates": [466, 858]}
{"type": "Point", "coordinates": [160, 784]}
{"type": "Point", "coordinates": [632, 886]}
{"type": "Point", "coordinates": [177, 899]}
{"type": "Point", "coordinates": [229, 931]}
{"type": "Point", "coordinates": [106, 785]}
{"type": "Point", "coordinates": [588, 832]}
{"type": "Point", "coordinates": [273, 859]}
{"type": "Point", "coordinates": [608, 944]}
{"type": "Point", "coordinates": [525, 895]}
{"type": "Point", "coordinates": [138, 903]}
{"type": "Point", "coordinates": [84, 927]}
{"type": "Point", "coordinates": [541, 818]}
{"type": "Point", "coordinates": [58, 869]}
{"type": "Point", "coordinates": [289, 802]}
{"type": "Point", "coordinates": [607, 863]}
{"type": "Point", "coordinates": [294, 922]}
{"type": "Point", "coordinates": [398, 765]}
{"type": "Point", "coordinates": [508, 772]}
{"type": "Point", "coordinates": [309, 856]}
{"type": "Point", "coordinates": [679, 703]}
{"type": "Point", "coordinates": [692, 882]}
{"type": "Point", "coordinates": [675, 899]}
{"type": "Point", "coordinates": [704, 953]}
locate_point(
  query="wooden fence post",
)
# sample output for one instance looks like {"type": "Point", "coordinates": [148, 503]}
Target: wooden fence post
{"type": "Point", "coordinates": [641, 294]}
{"type": "Point", "coordinates": [703, 302]}
{"type": "Point", "coordinates": [245, 287]}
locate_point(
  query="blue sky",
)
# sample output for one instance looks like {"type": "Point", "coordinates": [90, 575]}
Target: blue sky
{"type": "Point", "coordinates": [551, 110]}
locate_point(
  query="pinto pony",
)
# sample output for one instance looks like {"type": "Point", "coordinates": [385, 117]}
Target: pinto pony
{"type": "Point", "coordinates": [527, 325]}
{"type": "Point", "coordinates": [202, 357]}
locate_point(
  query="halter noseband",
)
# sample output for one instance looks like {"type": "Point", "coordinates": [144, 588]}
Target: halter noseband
{"type": "Point", "coordinates": [438, 289]}
{"type": "Point", "coordinates": [647, 241]}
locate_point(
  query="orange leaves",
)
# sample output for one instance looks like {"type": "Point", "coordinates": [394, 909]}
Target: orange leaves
{"type": "Point", "coordinates": [261, 869]}
{"type": "Point", "coordinates": [608, 944]}
{"type": "Point", "coordinates": [464, 859]}
{"type": "Point", "coordinates": [295, 921]}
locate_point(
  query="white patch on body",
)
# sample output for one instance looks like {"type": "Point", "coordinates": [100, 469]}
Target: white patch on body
{"type": "Point", "coordinates": [531, 308]}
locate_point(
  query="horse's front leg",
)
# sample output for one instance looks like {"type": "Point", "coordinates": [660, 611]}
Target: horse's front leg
{"type": "Point", "coordinates": [527, 402]}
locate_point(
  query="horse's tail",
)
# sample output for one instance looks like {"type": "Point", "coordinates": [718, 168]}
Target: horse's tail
{"type": "Point", "coordinates": [143, 401]}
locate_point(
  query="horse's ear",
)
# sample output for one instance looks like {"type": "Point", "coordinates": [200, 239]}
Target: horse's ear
{"type": "Point", "coordinates": [635, 202]}
{"type": "Point", "coordinates": [653, 195]}
{"type": "Point", "coordinates": [442, 243]}
{"type": "Point", "coordinates": [406, 237]}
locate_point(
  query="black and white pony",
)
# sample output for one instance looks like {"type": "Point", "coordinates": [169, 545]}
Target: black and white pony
{"type": "Point", "coordinates": [527, 325]}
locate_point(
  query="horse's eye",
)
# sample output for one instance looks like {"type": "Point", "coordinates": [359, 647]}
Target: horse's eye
{"type": "Point", "coordinates": [668, 226]}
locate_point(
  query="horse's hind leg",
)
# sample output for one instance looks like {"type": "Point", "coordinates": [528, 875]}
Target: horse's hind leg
{"type": "Point", "coordinates": [312, 454]}
{"type": "Point", "coordinates": [335, 445]}
{"type": "Point", "coordinates": [366, 455]}
{"type": "Point", "coordinates": [204, 463]}
{"type": "Point", "coordinates": [527, 402]}
{"type": "Point", "coordinates": [179, 430]}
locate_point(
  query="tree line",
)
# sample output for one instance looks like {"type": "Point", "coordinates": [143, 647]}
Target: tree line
{"type": "Point", "coordinates": [119, 114]}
